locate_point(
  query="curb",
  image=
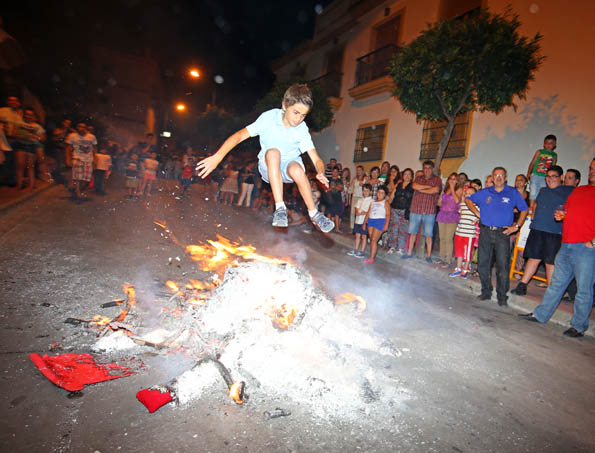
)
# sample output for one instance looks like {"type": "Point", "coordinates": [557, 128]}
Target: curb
{"type": "Point", "coordinates": [519, 303]}
{"type": "Point", "coordinates": [23, 197]}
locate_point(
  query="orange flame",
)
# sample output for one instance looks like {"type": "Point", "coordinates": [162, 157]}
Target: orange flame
{"type": "Point", "coordinates": [174, 288]}
{"type": "Point", "coordinates": [216, 255]}
{"type": "Point", "coordinates": [346, 298]}
{"type": "Point", "coordinates": [99, 320]}
{"type": "Point", "coordinates": [235, 392]}
{"type": "Point", "coordinates": [282, 317]}
{"type": "Point", "coordinates": [130, 292]}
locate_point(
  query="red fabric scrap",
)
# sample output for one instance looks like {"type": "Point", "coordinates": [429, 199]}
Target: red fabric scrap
{"type": "Point", "coordinates": [73, 371]}
{"type": "Point", "coordinates": [153, 399]}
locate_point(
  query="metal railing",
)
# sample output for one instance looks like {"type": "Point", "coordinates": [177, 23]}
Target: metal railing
{"type": "Point", "coordinates": [374, 65]}
{"type": "Point", "coordinates": [330, 83]}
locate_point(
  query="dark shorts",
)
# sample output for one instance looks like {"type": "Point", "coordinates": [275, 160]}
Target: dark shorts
{"type": "Point", "coordinates": [359, 228]}
{"type": "Point", "coordinates": [334, 209]}
{"type": "Point", "coordinates": [542, 246]}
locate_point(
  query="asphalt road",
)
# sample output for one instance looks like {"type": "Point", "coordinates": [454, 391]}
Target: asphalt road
{"type": "Point", "coordinates": [478, 378]}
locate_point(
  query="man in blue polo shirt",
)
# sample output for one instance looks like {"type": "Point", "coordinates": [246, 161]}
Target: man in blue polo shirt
{"type": "Point", "coordinates": [496, 210]}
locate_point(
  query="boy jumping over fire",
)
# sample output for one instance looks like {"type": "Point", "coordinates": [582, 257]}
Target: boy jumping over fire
{"type": "Point", "coordinates": [283, 138]}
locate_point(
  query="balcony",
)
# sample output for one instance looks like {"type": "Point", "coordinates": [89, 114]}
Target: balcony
{"type": "Point", "coordinates": [331, 85]}
{"type": "Point", "coordinates": [372, 74]}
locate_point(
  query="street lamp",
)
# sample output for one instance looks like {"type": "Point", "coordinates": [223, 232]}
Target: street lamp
{"type": "Point", "coordinates": [180, 107]}
{"type": "Point", "coordinates": [194, 73]}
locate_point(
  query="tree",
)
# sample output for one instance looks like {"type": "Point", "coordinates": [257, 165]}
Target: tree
{"type": "Point", "coordinates": [475, 63]}
{"type": "Point", "coordinates": [319, 117]}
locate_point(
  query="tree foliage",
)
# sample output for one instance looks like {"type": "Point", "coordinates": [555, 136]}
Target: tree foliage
{"type": "Point", "coordinates": [479, 63]}
{"type": "Point", "coordinates": [319, 117]}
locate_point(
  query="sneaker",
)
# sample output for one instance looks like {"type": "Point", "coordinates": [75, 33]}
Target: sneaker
{"type": "Point", "coordinates": [369, 261]}
{"type": "Point", "coordinates": [456, 273]}
{"type": "Point", "coordinates": [280, 218]}
{"type": "Point", "coordinates": [390, 251]}
{"type": "Point", "coordinates": [325, 224]}
{"type": "Point", "coordinates": [429, 260]}
{"type": "Point", "coordinates": [360, 255]}
{"type": "Point", "coordinates": [406, 256]}
{"type": "Point", "coordinates": [464, 275]}
{"type": "Point", "coordinates": [352, 253]}
{"type": "Point", "coordinates": [520, 290]}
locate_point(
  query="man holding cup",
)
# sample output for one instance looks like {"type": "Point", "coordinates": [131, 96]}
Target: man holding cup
{"type": "Point", "coordinates": [575, 259]}
{"type": "Point", "coordinates": [545, 237]}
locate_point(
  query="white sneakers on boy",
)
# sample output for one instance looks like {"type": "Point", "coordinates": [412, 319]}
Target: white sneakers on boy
{"type": "Point", "coordinates": [280, 218]}
{"type": "Point", "coordinates": [325, 224]}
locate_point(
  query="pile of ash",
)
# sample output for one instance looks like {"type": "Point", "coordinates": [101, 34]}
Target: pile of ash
{"type": "Point", "coordinates": [274, 330]}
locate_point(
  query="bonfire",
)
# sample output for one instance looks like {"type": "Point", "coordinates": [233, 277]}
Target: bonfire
{"type": "Point", "coordinates": [259, 326]}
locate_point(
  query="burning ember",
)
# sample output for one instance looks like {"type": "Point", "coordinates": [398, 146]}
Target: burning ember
{"type": "Point", "coordinates": [282, 317]}
{"type": "Point", "coordinates": [346, 298]}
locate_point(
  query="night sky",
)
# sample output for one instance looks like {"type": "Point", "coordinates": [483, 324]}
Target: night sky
{"type": "Point", "coordinates": [234, 39]}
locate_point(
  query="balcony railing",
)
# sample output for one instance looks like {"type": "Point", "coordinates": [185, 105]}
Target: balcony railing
{"type": "Point", "coordinates": [374, 65]}
{"type": "Point", "coordinates": [330, 83]}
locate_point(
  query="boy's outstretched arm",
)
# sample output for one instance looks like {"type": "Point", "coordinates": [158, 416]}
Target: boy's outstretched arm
{"type": "Point", "coordinates": [206, 166]}
{"type": "Point", "coordinates": [318, 165]}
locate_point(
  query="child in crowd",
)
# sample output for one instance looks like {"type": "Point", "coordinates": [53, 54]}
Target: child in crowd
{"type": "Point", "coordinates": [542, 161]}
{"type": "Point", "coordinates": [132, 175]}
{"type": "Point", "coordinates": [103, 168]}
{"type": "Point", "coordinates": [361, 209]}
{"type": "Point", "coordinates": [376, 220]}
{"type": "Point", "coordinates": [283, 138]}
{"type": "Point", "coordinates": [464, 237]}
{"type": "Point", "coordinates": [150, 173]}
{"type": "Point", "coordinates": [81, 145]}
{"type": "Point", "coordinates": [263, 201]}
{"type": "Point", "coordinates": [187, 173]}
{"type": "Point", "coordinates": [334, 203]}
{"type": "Point", "coordinates": [229, 188]}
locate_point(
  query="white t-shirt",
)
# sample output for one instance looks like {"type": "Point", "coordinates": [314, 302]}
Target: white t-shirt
{"type": "Point", "coordinates": [103, 161]}
{"type": "Point", "coordinates": [10, 119]}
{"type": "Point", "coordinates": [362, 204]}
{"type": "Point", "coordinates": [82, 146]}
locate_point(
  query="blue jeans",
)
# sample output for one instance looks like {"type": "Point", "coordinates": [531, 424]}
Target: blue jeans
{"type": "Point", "coordinates": [572, 261]}
{"type": "Point", "coordinates": [426, 219]}
{"type": "Point", "coordinates": [535, 185]}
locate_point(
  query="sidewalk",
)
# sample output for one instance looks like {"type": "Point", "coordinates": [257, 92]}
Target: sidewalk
{"type": "Point", "coordinates": [524, 304]}
{"type": "Point", "coordinates": [11, 196]}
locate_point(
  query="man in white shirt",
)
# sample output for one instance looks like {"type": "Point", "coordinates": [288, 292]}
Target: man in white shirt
{"type": "Point", "coordinates": [82, 145]}
{"type": "Point", "coordinates": [10, 117]}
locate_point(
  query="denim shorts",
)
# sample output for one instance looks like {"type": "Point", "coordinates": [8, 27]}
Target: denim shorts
{"type": "Point", "coordinates": [264, 172]}
{"type": "Point", "coordinates": [426, 219]}
{"type": "Point", "coordinates": [535, 185]}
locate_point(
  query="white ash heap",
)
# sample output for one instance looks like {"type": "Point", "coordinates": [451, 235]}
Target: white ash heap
{"type": "Point", "coordinates": [326, 361]}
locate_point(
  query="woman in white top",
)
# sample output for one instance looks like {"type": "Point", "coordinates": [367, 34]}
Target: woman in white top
{"type": "Point", "coordinates": [356, 190]}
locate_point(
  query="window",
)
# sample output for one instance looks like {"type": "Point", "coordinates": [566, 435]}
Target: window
{"type": "Point", "coordinates": [370, 141]}
{"type": "Point", "coordinates": [450, 9]}
{"type": "Point", "coordinates": [388, 32]}
{"type": "Point", "coordinates": [434, 131]}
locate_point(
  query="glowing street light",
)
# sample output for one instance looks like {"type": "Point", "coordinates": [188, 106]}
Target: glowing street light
{"type": "Point", "coordinates": [180, 107]}
{"type": "Point", "coordinates": [194, 73]}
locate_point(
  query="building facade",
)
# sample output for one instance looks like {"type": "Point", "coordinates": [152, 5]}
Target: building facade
{"type": "Point", "coordinates": [354, 41]}
{"type": "Point", "coordinates": [129, 91]}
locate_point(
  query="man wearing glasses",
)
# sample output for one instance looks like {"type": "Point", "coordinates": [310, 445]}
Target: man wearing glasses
{"type": "Point", "coordinates": [496, 224]}
{"type": "Point", "coordinates": [545, 237]}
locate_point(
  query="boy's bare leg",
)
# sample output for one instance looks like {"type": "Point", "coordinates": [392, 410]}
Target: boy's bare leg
{"type": "Point", "coordinates": [273, 160]}
{"type": "Point", "coordinates": [296, 172]}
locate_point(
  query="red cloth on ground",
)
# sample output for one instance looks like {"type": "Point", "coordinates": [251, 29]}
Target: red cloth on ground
{"type": "Point", "coordinates": [153, 399]}
{"type": "Point", "coordinates": [73, 371]}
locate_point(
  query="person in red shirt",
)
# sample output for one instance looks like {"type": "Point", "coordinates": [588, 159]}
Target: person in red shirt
{"type": "Point", "coordinates": [575, 259]}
